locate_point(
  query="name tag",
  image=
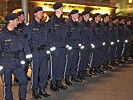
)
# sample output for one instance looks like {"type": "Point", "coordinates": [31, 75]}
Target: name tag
{"type": "Point", "coordinates": [56, 25]}
{"type": "Point", "coordinates": [8, 40]}
{"type": "Point", "coordinates": [35, 29]}
{"type": "Point", "coordinates": [73, 28]}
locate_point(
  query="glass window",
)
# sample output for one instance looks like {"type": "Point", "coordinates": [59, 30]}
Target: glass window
{"type": "Point", "coordinates": [130, 1]}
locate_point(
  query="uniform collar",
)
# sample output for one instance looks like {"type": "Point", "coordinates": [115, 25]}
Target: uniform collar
{"type": "Point", "coordinates": [34, 22]}
{"type": "Point", "coordinates": [83, 21]}
{"type": "Point", "coordinates": [5, 30]}
{"type": "Point", "coordinates": [58, 19]}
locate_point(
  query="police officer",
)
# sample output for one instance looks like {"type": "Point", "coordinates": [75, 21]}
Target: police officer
{"type": "Point", "coordinates": [120, 40]}
{"type": "Point", "coordinates": [96, 44]}
{"type": "Point", "coordinates": [113, 40]}
{"type": "Point", "coordinates": [80, 18]}
{"type": "Point", "coordinates": [106, 30]}
{"type": "Point", "coordinates": [36, 40]}
{"type": "Point", "coordinates": [20, 28]}
{"type": "Point", "coordinates": [11, 54]}
{"type": "Point", "coordinates": [73, 37]}
{"type": "Point", "coordinates": [127, 39]}
{"type": "Point", "coordinates": [85, 35]}
{"type": "Point", "coordinates": [57, 40]}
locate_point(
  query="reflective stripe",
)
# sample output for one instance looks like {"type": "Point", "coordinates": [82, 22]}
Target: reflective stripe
{"type": "Point", "coordinates": [91, 60]}
{"type": "Point", "coordinates": [51, 66]}
{"type": "Point", "coordinates": [32, 74]}
{"type": "Point", "coordinates": [66, 65]}
{"type": "Point", "coordinates": [123, 49]}
{"type": "Point", "coordinates": [79, 60]}
{"type": "Point", "coordinates": [3, 86]}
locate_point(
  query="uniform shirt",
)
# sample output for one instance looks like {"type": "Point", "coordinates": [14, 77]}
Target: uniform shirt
{"type": "Point", "coordinates": [128, 32]}
{"type": "Point", "coordinates": [86, 32]}
{"type": "Point", "coordinates": [35, 36]}
{"type": "Point", "coordinates": [121, 31]}
{"type": "Point", "coordinates": [56, 28]}
{"type": "Point", "coordinates": [106, 36]}
{"type": "Point", "coordinates": [97, 36]}
{"type": "Point", "coordinates": [21, 27]}
{"type": "Point", "coordinates": [11, 42]}
{"type": "Point", "coordinates": [114, 33]}
{"type": "Point", "coordinates": [73, 33]}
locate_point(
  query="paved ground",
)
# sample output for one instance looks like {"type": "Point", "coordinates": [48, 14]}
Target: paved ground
{"type": "Point", "coordinates": [114, 85]}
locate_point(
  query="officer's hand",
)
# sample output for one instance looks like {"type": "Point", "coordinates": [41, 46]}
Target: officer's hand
{"type": "Point", "coordinates": [79, 44]}
{"type": "Point", "coordinates": [112, 43]}
{"type": "Point", "coordinates": [52, 49]}
{"type": "Point", "coordinates": [22, 62]}
{"type": "Point", "coordinates": [126, 41]}
{"type": "Point", "coordinates": [82, 47]}
{"type": "Point", "coordinates": [28, 56]}
{"type": "Point", "coordinates": [67, 46]}
{"type": "Point", "coordinates": [48, 52]}
{"type": "Point", "coordinates": [70, 48]}
{"type": "Point", "coordinates": [93, 46]}
{"type": "Point", "coordinates": [118, 41]}
{"type": "Point", "coordinates": [1, 68]}
{"type": "Point", "coordinates": [103, 43]}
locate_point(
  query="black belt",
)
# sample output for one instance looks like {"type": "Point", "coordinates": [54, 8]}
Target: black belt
{"type": "Point", "coordinates": [42, 47]}
{"type": "Point", "coordinates": [9, 55]}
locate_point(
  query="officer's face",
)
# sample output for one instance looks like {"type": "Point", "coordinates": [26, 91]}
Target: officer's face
{"type": "Point", "coordinates": [21, 17]}
{"type": "Point", "coordinates": [107, 18]}
{"type": "Point", "coordinates": [87, 16]}
{"type": "Point", "coordinates": [98, 18]}
{"type": "Point", "coordinates": [39, 15]}
{"type": "Point", "coordinates": [75, 16]}
{"type": "Point", "coordinates": [129, 22]}
{"type": "Point", "coordinates": [14, 22]}
{"type": "Point", "coordinates": [60, 10]}
{"type": "Point", "coordinates": [115, 21]}
{"type": "Point", "coordinates": [80, 18]}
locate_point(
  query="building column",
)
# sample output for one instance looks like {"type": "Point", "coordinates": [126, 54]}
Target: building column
{"type": "Point", "coordinates": [24, 6]}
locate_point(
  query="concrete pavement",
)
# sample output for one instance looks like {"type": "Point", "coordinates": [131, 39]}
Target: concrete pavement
{"type": "Point", "coordinates": [113, 85]}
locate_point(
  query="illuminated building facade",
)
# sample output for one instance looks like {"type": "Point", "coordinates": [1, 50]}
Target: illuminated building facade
{"type": "Point", "coordinates": [3, 8]}
{"type": "Point", "coordinates": [124, 7]}
{"type": "Point", "coordinates": [95, 6]}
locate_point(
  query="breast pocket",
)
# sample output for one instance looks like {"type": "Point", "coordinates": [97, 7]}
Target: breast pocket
{"type": "Point", "coordinates": [8, 42]}
{"type": "Point", "coordinates": [36, 35]}
{"type": "Point", "coordinates": [85, 29]}
{"type": "Point", "coordinates": [96, 29]}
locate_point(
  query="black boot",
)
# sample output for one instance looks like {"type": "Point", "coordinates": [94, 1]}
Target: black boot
{"type": "Point", "coordinates": [101, 70]}
{"type": "Point", "coordinates": [16, 80]}
{"type": "Point", "coordinates": [113, 63]}
{"type": "Point", "coordinates": [35, 94]}
{"type": "Point", "coordinates": [105, 67]}
{"type": "Point", "coordinates": [60, 85]}
{"type": "Point", "coordinates": [54, 86]}
{"type": "Point", "coordinates": [67, 81]}
{"type": "Point", "coordinates": [92, 72]}
{"type": "Point", "coordinates": [28, 78]}
{"type": "Point", "coordinates": [81, 75]}
{"type": "Point", "coordinates": [109, 67]}
{"type": "Point", "coordinates": [86, 73]}
{"type": "Point", "coordinates": [21, 99]}
{"type": "Point", "coordinates": [76, 79]}
{"type": "Point", "coordinates": [43, 92]}
{"type": "Point", "coordinates": [126, 59]}
{"type": "Point", "coordinates": [26, 71]}
{"type": "Point", "coordinates": [97, 70]}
